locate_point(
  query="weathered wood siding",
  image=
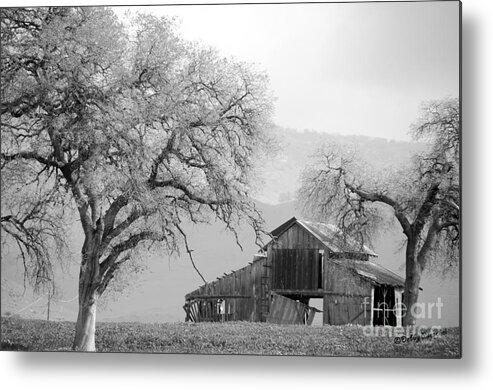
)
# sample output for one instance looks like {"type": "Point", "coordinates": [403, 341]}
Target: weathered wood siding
{"type": "Point", "coordinates": [345, 280]}
{"type": "Point", "coordinates": [287, 311]}
{"type": "Point", "coordinates": [245, 292]}
{"type": "Point", "coordinates": [295, 261]}
{"type": "Point", "coordinates": [297, 238]}
{"type": "Point", "coordinates": [341, 310]}
{"type": "Point", "coordinates": [349, 297]}
{"type": "Point", "coordinates": [295, 269]}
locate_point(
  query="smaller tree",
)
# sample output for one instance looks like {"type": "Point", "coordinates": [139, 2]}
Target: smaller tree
{"type": "Point", "coordinates": [424, 197]}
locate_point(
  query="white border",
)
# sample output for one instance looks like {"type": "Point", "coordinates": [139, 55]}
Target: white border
{"type": "Point", "coordinates": [83, 371]}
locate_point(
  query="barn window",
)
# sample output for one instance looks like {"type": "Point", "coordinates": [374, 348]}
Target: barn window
{"type": "Point", "coordinates": [220, 306]}
{"type": "Point", "coordinates": [221, 310]}
{"type": "Point", "coordinates": [321, 268]}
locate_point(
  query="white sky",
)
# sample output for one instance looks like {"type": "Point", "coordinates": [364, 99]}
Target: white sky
{"type": "Point", "coordinates": [340, 68]}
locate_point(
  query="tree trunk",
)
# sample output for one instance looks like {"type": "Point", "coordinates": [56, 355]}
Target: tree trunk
{"type": "Point", "coordinates": [411, 287]}
{"type": "Point", "coordinates": [85, 328]}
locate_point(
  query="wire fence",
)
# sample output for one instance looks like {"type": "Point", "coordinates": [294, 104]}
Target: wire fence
{"type": "Point", "coordinates": [51, 301]}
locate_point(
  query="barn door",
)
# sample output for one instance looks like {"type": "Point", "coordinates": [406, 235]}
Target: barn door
{"type": "Point", "coordinates": [384, 306]}
{"type": "Point", "coordinates": [296, 269]}
{"type": "Point", "coordinates": [284, 310]}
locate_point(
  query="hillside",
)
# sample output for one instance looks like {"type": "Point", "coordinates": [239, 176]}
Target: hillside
{"type": "Point", "coordinates": [281, 171]}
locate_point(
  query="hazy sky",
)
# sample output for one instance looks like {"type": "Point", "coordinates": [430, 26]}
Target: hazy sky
{"type": "Point", "coordinates": [340, 68]}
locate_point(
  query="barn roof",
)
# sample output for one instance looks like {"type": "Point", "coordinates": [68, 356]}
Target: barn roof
{"type": "Point", "coordinates": [374, 272]}
{"type": "Point", "coordinates": [327, 234]}
{"type": "Point", "coordinates": [381, 274]}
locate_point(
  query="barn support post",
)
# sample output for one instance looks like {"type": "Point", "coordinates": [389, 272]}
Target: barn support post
{"type": "Point", "coordinates": [186, 307]}
{"type": "Point", "coordinates": [372, 304]}
{"type": "Point", "coordinates": [326, 285]}
{"type": "Point", "coordinates": [398, 306]}
{"type": "Point", "coordinates": [325, 317]}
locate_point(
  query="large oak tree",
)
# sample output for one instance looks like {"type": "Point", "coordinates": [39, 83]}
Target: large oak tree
{"type": "Point", "coordinates": [137, 130]}
{"type": "Point", "coordinates": [422, 197]}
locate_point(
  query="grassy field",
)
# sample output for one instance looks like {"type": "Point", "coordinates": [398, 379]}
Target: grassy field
{"type": "Point", "coordinates": [229, 338]}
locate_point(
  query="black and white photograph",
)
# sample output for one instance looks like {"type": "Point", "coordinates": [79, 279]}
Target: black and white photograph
{"type": "Point", "coordinates": [232, 179]}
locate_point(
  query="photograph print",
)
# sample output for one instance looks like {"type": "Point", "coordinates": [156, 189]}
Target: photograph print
{"type": "Point", "coordinates": [232, 179]}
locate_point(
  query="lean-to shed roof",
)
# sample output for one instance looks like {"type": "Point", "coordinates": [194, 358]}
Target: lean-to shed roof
{"type": "Point", "coordinates": [372, 271]}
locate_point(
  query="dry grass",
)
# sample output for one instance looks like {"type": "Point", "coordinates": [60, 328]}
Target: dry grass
{"type": "Point", "coordinates": [228, 338]}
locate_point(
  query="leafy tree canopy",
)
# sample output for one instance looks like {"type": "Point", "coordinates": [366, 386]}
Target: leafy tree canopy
{"type": "Point", "coordinates": [137, 129]}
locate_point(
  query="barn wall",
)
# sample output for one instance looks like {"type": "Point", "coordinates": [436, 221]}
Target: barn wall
{"type": "Point", "coordinates": [342, 309]}
{"type": "Point", "coordinates": [247, 292]}
{"type": "Point", "coordinates": [344, 280]}
{"type": "Point", "coordinates": [348, 299]}
{"type": "Point", "coordinates": [295, 269]}
{"type": "Point", "coordinates": [244, 292]}
{"type": "Point", "coordinates": [294, 256]}
{"type": "Point", "coordinates": [297, 238]}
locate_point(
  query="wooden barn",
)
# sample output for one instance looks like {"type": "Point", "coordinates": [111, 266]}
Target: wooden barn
{"type": "Point", "coordinates": [304, 260]}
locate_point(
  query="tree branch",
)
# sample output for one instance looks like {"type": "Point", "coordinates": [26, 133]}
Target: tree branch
{"type": "Point", "coordinates": [378, 197]}
{"type": "Point", "coordinates": [129, 243]}
{"type": "Point", "coordinates": [174, 184]}
{"type": "Point", "coordinates": [110, 273]}
{"type": "Point", "coordinates": [451, 204]}
{"type": "Point", "coordinates": [189, 252]}
{"type": "Point", "coordinates": [32, 156]}
{"type": "Point", "coordinates": [111, 233]}
{"type": "Point", "coordinates": [110, 216]}
{"type": "Point", "coordinates": [425, 210]}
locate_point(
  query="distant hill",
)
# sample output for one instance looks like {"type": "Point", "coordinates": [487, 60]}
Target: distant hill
{"type": "Point", "coordinates": [281, 172]}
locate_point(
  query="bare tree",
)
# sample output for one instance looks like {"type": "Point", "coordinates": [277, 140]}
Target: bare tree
{"type": "Point", "coordinates": [424, 197]}
{"type": "Point", "coordinates": [137, 130]}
